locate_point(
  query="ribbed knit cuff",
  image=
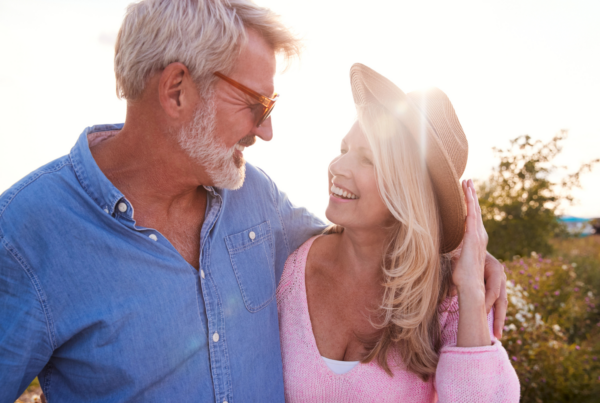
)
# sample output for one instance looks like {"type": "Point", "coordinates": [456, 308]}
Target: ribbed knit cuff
{"type": "Point", "coordinates": [476, 374]}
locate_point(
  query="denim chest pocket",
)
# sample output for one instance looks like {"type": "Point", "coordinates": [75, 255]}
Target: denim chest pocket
{"type": "Point", "coordinates": [252, 258]}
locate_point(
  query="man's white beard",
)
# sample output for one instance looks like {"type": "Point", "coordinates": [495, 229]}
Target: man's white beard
{"type": "Point", "coordinates": [200, 142]}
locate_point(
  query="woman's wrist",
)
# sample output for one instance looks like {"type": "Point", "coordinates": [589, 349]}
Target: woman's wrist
{"type": "Point", "coordinates": [473, 328]}
{"type": "Point", "coordinates": [474, 292]}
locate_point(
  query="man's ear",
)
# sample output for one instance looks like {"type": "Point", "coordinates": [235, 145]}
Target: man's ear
{"type": "Point", "coordinates": [176, 90]}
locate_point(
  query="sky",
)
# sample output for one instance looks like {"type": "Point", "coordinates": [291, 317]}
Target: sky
{"type": "Point", "coordinates": [509, 68]}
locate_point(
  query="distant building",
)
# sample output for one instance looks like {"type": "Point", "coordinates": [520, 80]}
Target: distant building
{"type": "Point", "coordinates": [580, 226]}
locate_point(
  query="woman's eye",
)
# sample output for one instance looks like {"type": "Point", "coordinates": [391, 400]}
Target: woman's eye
{"type": "Point", "coordinates": [367, 161]}
{"type": "Point", "coordinates": [343, 151]}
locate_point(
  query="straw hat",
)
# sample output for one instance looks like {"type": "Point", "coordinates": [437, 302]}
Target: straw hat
{"type": "Point", "coordinates": [430, 118]}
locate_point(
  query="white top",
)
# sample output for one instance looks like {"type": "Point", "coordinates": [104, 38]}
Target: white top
{"type": "Point", "coordinates": [340, 367]}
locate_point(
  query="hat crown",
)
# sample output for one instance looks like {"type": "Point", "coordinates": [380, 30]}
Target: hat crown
{"type": "Point", "coordinates": [438, 110]}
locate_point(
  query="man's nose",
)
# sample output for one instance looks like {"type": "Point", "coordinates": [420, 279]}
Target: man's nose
{"type": "Point", "coordinates": [265, 130]}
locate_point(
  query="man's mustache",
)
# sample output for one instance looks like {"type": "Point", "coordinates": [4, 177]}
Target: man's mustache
{"type": "Point", "coordinates": [248, 140]}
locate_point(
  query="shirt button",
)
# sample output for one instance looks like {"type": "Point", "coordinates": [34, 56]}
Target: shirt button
{"type": "Point", "coordinates": [106, 210]}
{"type": "Point", "coordinates": [252, 235]}
{"type": "Point", "coordinates": [122, 207]}
{"type": "Point", "coordinates": [201, 273]}
{"type": "Point", "coordinates": [153, 237]}
{"type": "Point", "coordinates": [216, 337]}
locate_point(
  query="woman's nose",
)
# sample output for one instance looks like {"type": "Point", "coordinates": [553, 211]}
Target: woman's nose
{"type": "Point", "coordinates": [340, 166]}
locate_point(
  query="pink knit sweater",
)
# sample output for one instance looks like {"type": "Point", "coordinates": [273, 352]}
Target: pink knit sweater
{"type": "Point", "coordinates": [479, 374]}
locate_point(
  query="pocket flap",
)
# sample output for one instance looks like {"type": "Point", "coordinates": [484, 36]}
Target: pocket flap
{"type": "Point", "coordinates": [241, 241]}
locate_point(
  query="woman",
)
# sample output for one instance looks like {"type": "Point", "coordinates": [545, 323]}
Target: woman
{"type": "Point", "coordinates": [370, 311]}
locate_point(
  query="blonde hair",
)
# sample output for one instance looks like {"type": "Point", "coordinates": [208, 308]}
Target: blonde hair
{"type": "Point", "coordinates": [416, 275]}
{"type": "Point", "coordinates": [204, 35]}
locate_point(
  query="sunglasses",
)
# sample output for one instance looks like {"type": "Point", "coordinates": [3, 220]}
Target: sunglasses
{"type": "Point", "coordinates": [267, 103]}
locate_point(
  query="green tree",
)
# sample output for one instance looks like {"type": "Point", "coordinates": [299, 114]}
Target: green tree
{"type": "Point", "coordinates": [519, 201]}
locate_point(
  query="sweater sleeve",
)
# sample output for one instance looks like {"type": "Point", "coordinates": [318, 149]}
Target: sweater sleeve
{"type": "Point", "coordinates": [472, 374]}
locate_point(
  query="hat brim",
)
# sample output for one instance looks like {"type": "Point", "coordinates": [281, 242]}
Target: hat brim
{"type": "Point", "coordinates": [369, 87]}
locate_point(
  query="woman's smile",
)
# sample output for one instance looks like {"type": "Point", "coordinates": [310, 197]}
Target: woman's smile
{"type": "Point", "coordinates": [340, 193]}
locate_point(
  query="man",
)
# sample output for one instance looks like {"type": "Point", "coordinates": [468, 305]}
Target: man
{"type": "Point", "coordinates": [138, 268]}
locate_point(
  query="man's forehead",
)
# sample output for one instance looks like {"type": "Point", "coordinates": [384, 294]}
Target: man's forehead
{"type": "Point", "coordinates": [255, 66]}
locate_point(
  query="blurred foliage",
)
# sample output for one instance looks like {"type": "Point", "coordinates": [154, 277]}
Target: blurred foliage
{"type": "Point", "coordinates": [552, 331]}
{"type": "Point", "coordinates": [519, 201]}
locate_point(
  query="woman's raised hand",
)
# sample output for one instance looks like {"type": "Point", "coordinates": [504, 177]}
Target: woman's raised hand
{"type": "Point", "coordinates": [468, 272]}
{"type": "Point", "coordinates": [468, 276]}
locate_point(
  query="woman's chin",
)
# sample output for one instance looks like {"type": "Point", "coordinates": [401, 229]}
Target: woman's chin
{"type": "Point", "coordinates": [335, 216]}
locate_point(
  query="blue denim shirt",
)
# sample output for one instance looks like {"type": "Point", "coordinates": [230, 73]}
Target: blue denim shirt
{"type": "Point", "coordinates": [103, 310]}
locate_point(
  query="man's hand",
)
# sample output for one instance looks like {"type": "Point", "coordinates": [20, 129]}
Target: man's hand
{"type": "Point", "coordinates": [495, 289]}
{"type": "Point", "coordinates": [495, 292]}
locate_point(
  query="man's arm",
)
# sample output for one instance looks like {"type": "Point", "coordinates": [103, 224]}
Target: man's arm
{"type": "Point", "coordinates": [297, 223]}
{"type": "Point", "coordinates": [25, 345]}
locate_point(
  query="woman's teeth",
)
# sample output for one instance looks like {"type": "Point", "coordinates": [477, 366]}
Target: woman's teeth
{"type": "Point", "coordinates": [343, 193]}
{"type": "Point", "coordinates": [239, 148]}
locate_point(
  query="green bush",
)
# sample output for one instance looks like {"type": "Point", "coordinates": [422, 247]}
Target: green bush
{"type": "Point", "coordinates": [552, 331]}
{"type": "Point", "coordinates": [519, 201]}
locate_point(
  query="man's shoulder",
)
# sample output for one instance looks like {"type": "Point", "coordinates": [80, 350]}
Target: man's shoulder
{"type": "Point", "coordinates": [255, 176]}
{"type": "Point", "coordinates": [257, 184]}
{"type": "Point", "coordinates": [30, 196]}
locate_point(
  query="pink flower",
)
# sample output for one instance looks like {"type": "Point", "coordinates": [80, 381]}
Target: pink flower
{"type": "Point", "coordinates": [515, 359]}
{"type": "Point", "coordinates": [576, 289]}
{"type": "Point", "coordinates": [522, 272]}
{"type": "Point", "coordinates": [557, 293]}
{"type": "Point", "coordinates": [548, 273]}
{"type": "Point", "coordinates": [519, 342]}
{"type": "Point", "coordinates": [535, 287]}
{"type": "Point", "coordinates": [577, 347]}
{"type": "Point", "coordinates": [594, 358]}
{"type": "Point", "coordinates": [537, 278]}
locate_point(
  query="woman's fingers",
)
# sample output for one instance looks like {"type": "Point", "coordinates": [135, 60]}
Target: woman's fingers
{"type": "Point", "coordinates": [471, 215]}
{"type": "Point", "coordinates": [477, 210]}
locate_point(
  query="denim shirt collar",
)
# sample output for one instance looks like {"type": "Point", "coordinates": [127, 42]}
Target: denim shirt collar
{"type": "Point", "coordinates": [93, 180]}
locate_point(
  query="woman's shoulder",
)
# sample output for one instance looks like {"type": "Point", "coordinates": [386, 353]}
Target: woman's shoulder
{"type": "Point", "coordinates": [294, 269]}
{"type": "Point", "coordinates": [448, 310]}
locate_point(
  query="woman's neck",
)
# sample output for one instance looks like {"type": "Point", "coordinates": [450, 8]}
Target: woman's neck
{"type": "Point", "coordinates": [361, 253]}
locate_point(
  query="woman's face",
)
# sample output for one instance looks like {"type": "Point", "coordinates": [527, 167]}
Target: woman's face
{"type": "Point", "coordinates": [354, 199]}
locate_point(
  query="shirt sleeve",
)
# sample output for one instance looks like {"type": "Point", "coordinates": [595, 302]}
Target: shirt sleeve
{"type": "Point", "coordinates": [25, 345]}
{"type": "Point", "coordinates": [473, 374]}
{"type": "Point", "coordinates": [297, 222]}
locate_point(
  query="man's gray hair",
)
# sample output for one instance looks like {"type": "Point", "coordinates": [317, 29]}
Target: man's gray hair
{"type": "Point", "coordinates": [204, 35]}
